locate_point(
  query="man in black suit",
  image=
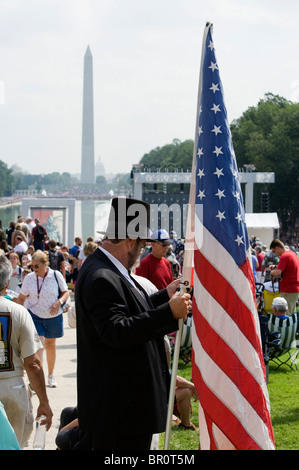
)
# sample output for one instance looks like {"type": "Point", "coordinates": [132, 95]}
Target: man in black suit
{"type": "Point", "coordinates": [122, 376]}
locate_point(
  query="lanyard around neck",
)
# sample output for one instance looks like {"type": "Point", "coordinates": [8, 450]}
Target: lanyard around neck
{"type": "Point", "coordinates": [39, 287]}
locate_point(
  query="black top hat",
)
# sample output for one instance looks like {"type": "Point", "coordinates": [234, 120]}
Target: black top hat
{"type": "Point", "coordinates": [128, 218]}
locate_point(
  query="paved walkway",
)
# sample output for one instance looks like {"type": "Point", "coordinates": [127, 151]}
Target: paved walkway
{"type": "Point", "coordinates": [65, 374]}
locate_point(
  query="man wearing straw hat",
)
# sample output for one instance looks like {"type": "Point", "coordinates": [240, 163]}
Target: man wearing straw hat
{"type": "Point", "coordinates": [122, 375]}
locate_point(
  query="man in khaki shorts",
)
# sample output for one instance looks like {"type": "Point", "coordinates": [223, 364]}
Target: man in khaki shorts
{"type": "Point", "coordinates": [19, 344]}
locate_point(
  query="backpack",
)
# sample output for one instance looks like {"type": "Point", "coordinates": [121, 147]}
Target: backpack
{"type": "Point", "coordinates": [54, 260]}
{"type": "Point", "coordinates": [40, 233]}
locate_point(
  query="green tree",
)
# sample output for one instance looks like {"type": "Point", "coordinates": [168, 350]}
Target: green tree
{"type": "Point", "coordinates": [64, 180]}
{"type": "Point", "coordinates": [51, 178]}
{"type": "Point", "coordinates": [267, 136]}
{"type": "Point", "coordinates": [175, 155]}
{"type": "Point", "coordinates": [19, 181]}
{"type": "Point", "coordinates": [101, 180]}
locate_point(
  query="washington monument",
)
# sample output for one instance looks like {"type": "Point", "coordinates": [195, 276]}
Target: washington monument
{"type": "Point", "coordinates": [87, 156]}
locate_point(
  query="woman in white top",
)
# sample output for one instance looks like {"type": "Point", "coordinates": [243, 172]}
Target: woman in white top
{"type": "Point", "coordinates": [16, 277]}
{"type": "Point", "coordinates": [44, 292]}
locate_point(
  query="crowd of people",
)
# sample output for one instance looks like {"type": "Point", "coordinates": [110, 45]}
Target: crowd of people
{"type": "Point", "coordinates": [21, 239]}
{"type": "Point", "coordinates": [36, 277]}
{"type": "Point", "coordinates": [126, 306]}
{"type": "Point", "coordinates": [279, 263]}
{"type": "Point", "coordinates": [137, 308]}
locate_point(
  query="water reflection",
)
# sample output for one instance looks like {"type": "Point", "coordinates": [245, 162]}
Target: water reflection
{"type": "Point", "coordinates": [91, 216]}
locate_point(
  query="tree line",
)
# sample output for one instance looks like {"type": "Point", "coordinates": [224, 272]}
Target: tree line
{"type": "Point", "coordinates": [267, 136]}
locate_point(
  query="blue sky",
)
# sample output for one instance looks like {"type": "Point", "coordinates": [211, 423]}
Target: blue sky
{"type": "Point", "coordinates": [146, 58]}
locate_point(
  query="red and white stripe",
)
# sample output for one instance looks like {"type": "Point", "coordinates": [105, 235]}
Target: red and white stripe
{"type": "Point", "coordinates": [228, 363]}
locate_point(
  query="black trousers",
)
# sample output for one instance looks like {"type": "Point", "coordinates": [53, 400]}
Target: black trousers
{"type": "Point", "coordinates": [116, 442]}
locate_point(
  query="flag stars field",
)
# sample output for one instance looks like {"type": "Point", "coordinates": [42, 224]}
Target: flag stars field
{"type": "Point", "coordinates": [211, 46]}
{"type": "Point", "coordinates": [218, 151]}
{"type": "Point", "coordinates": [201, 194]}
{"type": "Point", "coordinates": [199, 152]}
{"type": "Point", "coordinates": [216, 130]}
{"type": "Point", "coordinates": [216, 108]}
{"type": "Point", "coordinates": [239, 217]}
{"type": "Point", "coordinates": [214, 87]}
{"type": "Point", "coordinates": [239, 240]}
{"type": "Point", "coordinates": [219, 172]}
{"type": "Point", "coordinates": [213, 66]}
{"type": "Point", "coordinates": [221, 215]}
{"type": "Point", "coordinates": [220, 193]}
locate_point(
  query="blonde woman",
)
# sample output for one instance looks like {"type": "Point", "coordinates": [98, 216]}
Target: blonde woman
{"type": "Point", "coordinates": [89, 248]}
{"type": "Point", "coordinates": [45, 291]}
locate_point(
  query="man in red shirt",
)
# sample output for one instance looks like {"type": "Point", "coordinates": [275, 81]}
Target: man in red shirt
{"type": "Point", "coordinates": [155, 266]}
{"type": "Point", "coordinates": [288, 269]}
{"type": "Point", "coordinates": [260, 256]}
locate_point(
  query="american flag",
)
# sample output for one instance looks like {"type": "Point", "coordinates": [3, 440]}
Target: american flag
{"type": "Point", "coordinates": [228, 363]}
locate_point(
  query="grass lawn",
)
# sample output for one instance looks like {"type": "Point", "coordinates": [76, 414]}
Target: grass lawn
{"type": "Point", "coordinates": [283, 386]}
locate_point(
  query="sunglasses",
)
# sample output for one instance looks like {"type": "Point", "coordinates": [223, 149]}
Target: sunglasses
{"type": "Point", "coordinates": [163, 243]}
{"type": "Point", "coordinates": [35, 266]}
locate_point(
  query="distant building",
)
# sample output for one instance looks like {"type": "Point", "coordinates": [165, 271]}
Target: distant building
{"type": "Point", "coordinates": [15, 168]}
{"type": "Point", "coordinates": [99, 168]}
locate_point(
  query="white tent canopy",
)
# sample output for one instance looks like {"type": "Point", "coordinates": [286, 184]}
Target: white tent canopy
{"type": "Point", "coordinates": [264, 226]}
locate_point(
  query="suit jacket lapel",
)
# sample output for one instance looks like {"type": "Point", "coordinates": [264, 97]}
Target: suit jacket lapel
{"type": "Point", "coordinates": [144, 300]}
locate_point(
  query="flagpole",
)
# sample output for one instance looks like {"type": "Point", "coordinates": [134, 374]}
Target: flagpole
{"type": "Point", "coordinates": [188, 257]}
